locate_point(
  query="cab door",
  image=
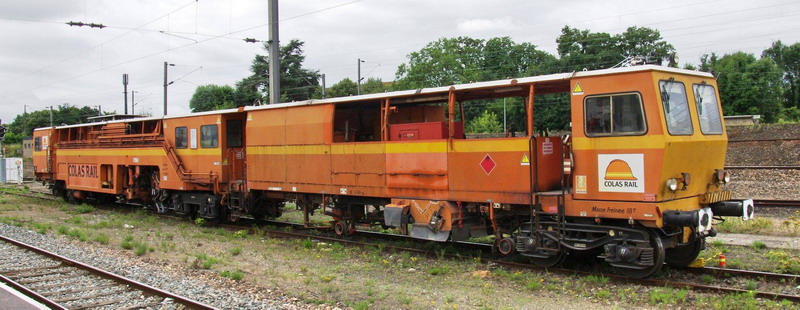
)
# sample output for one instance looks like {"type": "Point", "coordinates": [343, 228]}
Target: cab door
{"type": "Point", "coordinates": [234, 149]}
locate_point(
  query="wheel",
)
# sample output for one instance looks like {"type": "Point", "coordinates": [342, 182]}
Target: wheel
{"type": "Point", "coordinates": [340, 228]}
{"type": "Point", "coordinates": [684, 255]}
{"type": "Point", "coordinates": [505, 246]}
{"type": "Point", "coordinates": [550, 261]}
{"type": "Point", "coordinates": [658, 260]}
{"type": "Point", "coordinates": [71, 198]}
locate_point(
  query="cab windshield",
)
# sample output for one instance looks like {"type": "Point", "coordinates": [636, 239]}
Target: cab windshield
{"type": "Point", "coordinates": [705, 98]}
{"type": "Point", "coordinates": [676, 107]}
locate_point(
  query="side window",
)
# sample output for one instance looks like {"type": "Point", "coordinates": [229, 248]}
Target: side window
{"type": "Point", "coordinates": [705, 98]}
{"type": "Point", "coordinates": [181, 138]}
{"type": "Point", "coordinates": [676, 107]}
{"type": "Point", "coordinates": [233, 133]}
{"type": "Point", "coordinates": [37, 144]}
{"type": "Point", "coordinates": [208, 136]}
{"type": "Point", "coordinates": [614, 115]}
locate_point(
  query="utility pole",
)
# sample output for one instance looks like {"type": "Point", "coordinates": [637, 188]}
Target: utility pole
{"type": "Point", "coordinates": [133, 101]}
{"type": "Point", "coordinates": [125, 90]}
{"type": "Point", "coordinates": [166, 64]}
{"type": "Point", "coordinates": [323, 85]}
{"type": "Point", "coordinates": [358, 83]}
{"type": "Point", "coordinates": [99, 110]}
{"type": "Point", "coordinates": [274, 57]}
{"type": "Point", "coordinates": [51, 116]}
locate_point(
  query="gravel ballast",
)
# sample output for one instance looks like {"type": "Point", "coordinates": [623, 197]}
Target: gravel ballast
{"type": "Point", "coordinates": [202, 286]}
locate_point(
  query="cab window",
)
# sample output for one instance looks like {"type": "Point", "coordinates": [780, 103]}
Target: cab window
{"type": "Point", "coordinates": [676, 107]}
{"type": "Point", "coordinates": [37, 144]}
{"type": "Point", "coordinates": [208, 136]}
{"type": "Point", "coordinates": [181, 138]}
{"type": "Point", "coordinates": [705, 98]}
{"type": "Point", "coordinates": [613, 115]}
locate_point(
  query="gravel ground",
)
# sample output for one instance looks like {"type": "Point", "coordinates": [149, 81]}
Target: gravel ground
{"type": "Point", "coordinates": [765, 184]}
{"type": "Point", "coordinates": [198, 285]}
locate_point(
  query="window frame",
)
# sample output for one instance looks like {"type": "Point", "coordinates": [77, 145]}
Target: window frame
{"type": "Point", "coordinates": [37, 144]}
{"type": "Point", "coordinates": [664, 108]}
{"type": "Point", "coordinates": [216, 136]}
{"type": "Point", "coordinates": [185, 137]}
{"type": "Point", "coordinates": [718, 106]}
{"type": "Point", "coordinates": [611, 111]}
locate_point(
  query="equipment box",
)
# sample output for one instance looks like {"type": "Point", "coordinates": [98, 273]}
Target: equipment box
{"type": "Point", "coordinates": [424, 131]}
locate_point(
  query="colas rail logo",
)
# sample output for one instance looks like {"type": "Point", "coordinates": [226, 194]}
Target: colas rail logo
{"type": "Point", "coordinates": [621, 173]}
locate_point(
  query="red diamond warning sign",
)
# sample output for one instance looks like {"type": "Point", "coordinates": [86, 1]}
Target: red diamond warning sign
{"type": "Point", "coordinates": [488, 164]}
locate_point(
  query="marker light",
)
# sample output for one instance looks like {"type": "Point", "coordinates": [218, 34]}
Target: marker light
{"type": "Point", "coordinates": [672, 184]}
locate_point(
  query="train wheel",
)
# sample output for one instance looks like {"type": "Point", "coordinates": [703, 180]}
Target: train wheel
{"type": "Point", "coordinates": [550, 261]}
{"type": "Point", "coordinates": [505, 246]}
{"type": "Point", "coordinates": [684, 255]}
{"type": "Point", "coordinates": [658, 260]}
{"type": "Point", "coordinates": [340, 228]}
{"type": "Point", "coordinates": [71, 197]}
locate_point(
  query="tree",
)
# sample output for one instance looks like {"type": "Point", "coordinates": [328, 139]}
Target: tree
{"type": "Point", "coordinates": [344, 88]}
{"type": "Point", "coordinates": [446, 61]}
{"type": "Point", "coordinates": [579, 49]}
{"type": "Point", "coordinates": [788, 59]}
{"type": "Point", "coordinates": [66, 114]}
{"type": "Point", "coordinates": [747, 85]}
{"type": "Point", "coordinates": [487, 122]}
{"type": "Point", "coordinates": [212, 97]}
{"type": "Point", "coordinates": [297, 83]}
{"type": "Point", "coordinates": [372, 86]}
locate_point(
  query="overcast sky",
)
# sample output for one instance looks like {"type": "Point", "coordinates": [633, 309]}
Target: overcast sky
{"type": "Point", "coordinates": [44, 62]}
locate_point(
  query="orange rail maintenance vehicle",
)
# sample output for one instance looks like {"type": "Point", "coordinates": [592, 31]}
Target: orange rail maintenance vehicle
{"type": "Point", "coordinates": [637, 182]}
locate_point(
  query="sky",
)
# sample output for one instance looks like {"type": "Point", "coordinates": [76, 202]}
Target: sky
{"type": "Point", "coordinates": [44, 62]}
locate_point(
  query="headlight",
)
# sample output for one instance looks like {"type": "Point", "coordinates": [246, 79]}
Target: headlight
{"type": "Point", "coordinates": [721, 176]}
{"type": "Point", "coordinates": [672, 184]}
{"type": "Point", "coordinates": [727, 177]}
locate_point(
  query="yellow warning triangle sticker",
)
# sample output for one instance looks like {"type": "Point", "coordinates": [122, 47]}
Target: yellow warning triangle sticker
{"type": "Point", "coordinates": [578, 90]}
{"type": "Point", "coordinates": [525, 160]}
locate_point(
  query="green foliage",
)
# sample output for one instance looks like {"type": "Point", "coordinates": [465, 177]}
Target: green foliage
{"type": "Point", "coordinates": [486, 123]}
{"type": "Point", "coordinates": [206, 262]}
{"type": "Point", "coordinates": [787, 58]}
{"type": "Point", "coordinates": [241, 234]}
{"type": "Point", "coordinates": [579, 49]}
{"type": "Point", "coordinates": [84, 208]}
{"type": "Point", "coordinates": [199, 221]}
{"type": "Point", "coordinates": [62, 230]}
{"type": "Point", "coordinates": [435, 271]}
{"type": "Point", "coordinates": [667, 295]}
{"type": "Point", "coordinates": [141, 249]}
{"type": "Point", "coordinates": [235, 275]}
{"type": "Point", "coordinates": [737, 301]}
{"type": "Point", "coordinates": [41, 228]}
{"type": "Point", "coordinates": [345, 87]}
{"type": "Point", "coordinates": [596, 280]}
{"type": "Point", "coordinates": [101, 238]}
{"type": "Point", "coordinates": [297, 83]}
{"type": "Point", "coordinates": [24, 124]}
{"type": "Point", "coordinates": [758, 245]}
{"type": "Point", "coordinates": [212, 97]}
{"type": "Point", "coordinates": [604, 294]}
{"type": "Point", "coordinates": [747, 85]}
{"type": "Point", "coordinates": [236, 251]}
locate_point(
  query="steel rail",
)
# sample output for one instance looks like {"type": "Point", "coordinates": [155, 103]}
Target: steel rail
{"type": "Point", "coordinates": [189, 303]}
{"type": "Point", "coordinates": [762, 140]}
{"type": "Point", "coordinates": [773, 203]}
{"type": "Point", "coordinates": [789, 167]}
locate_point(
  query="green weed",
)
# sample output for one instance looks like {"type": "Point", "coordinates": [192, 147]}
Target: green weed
{"type": "Point", "coordinates": [236, 251]}
{"type": "Point", "coordinates": [235, 275]}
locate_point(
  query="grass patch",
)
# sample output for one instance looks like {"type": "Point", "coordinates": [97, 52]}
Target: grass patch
{"type": "Point", "coordinates": [84, 208]}
{"type": "Point", "coordinates": [737, 225]}
{"type": "Point", "coordinates": [206, 262]}
{"type": "Point", "coordinates": [596, 280]}
{"type": "Point", "coordinates": [235, 275]}
{"type": "Point", "coordinates": [758, 245]}
{"type": "Point", "coordinates": [62, 230]}
{"type": "Point", "coordinates": [236, 251]}
{"type": "Point", "coordinates": [41, 228]}
{"type": "Point", "coordinates": [668, 295]}
{"type": "Point", "coordinates": [436, 271]}
{"type": "Point", "coordinates": [101, 238]}
{"type": "Point", "coordinates": [78, 234]}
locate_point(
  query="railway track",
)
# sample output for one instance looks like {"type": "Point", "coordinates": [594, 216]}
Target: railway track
{"type": "Point", "coordinates": [62, 283]}
{"type": "Point", "coordinates": [779, 283]}
{"type": "Point", "coordinates": [694, 282]}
